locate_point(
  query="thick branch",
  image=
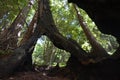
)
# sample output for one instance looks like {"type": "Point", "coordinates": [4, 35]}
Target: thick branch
{"type": "Point", "coordinates": [98, 50]}
{"type": "Point", "coordinates": [53, 34]}
{"type": "Point", "coordinates": [30, 30]}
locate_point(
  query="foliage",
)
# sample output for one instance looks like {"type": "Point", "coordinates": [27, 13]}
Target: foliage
{"type": "Point", "coordinates": [45, 53]}
{"type": "Point", "coordinates": [10, 8]}
{"type": "Point", "coordinates": [3, 53]}
{"type": "Point", "coordinates": [66, 21]}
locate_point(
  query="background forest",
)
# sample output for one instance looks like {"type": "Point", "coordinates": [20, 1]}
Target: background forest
{"type": "Point", "coordinates": [66, 20]}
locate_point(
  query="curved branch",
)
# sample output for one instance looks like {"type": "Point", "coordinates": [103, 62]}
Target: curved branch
{"type": "Point", "coordinates": [98, 50]}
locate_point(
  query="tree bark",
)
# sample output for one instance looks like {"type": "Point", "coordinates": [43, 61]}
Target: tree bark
{"type": "Point", "coordinates": [10, 35]}
{"type": "Point", "coordinates": [97, 50]}
{"type": "Point", "coordinates": [29, 31]}
{"type": "Point", "coordinates": [21, 56]}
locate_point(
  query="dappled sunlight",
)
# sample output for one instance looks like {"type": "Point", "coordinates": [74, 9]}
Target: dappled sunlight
{"type": "Point", "coordinates": [45, 53]}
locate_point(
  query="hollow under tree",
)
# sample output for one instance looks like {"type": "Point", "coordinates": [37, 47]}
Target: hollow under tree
{"type": "Point", "coordinates": [81, 64]}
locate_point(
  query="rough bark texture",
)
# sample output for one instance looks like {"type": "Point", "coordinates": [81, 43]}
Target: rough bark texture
{"type": "Point", "coordinates": [30, 30]}
{"type": "Point", "coordinates": [9, 36]}
{"type": "Point", "coordinates": [18, 60]}
{"type": "Point", "coordinates": [21, 56]}
{"type": "Point", "coordinates": [97, 50]}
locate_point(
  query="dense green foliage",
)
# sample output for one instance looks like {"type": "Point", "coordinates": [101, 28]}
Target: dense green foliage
{"type": "Point", "coordinates": [46, 53]}
{"type": "Point", "coordinates": [9, 10]}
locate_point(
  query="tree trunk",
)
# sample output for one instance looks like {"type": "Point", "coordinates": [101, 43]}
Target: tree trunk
{"type": "Point", "coordinates": [9, 36]}
{"type": "Point", "coordinates": [29, 31]}
{"type": "Point", "coordinates": [97, 50]}
{"type": "Point", "coordinates": [21, 58]}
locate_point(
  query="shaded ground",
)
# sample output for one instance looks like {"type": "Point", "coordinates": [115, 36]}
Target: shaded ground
{"type": "Point", "coordinates": [105, 70]}
{"type": "Point", "coordinates": [30, 75]}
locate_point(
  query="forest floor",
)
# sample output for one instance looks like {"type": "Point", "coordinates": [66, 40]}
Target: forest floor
{"type": "Point", "coordinates": [33, 76]}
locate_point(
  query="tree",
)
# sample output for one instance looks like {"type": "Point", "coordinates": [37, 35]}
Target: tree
{"type": "Point", "coordinates": [81, 65]}
{"type": "Point", "coordinates": [106, 17]}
